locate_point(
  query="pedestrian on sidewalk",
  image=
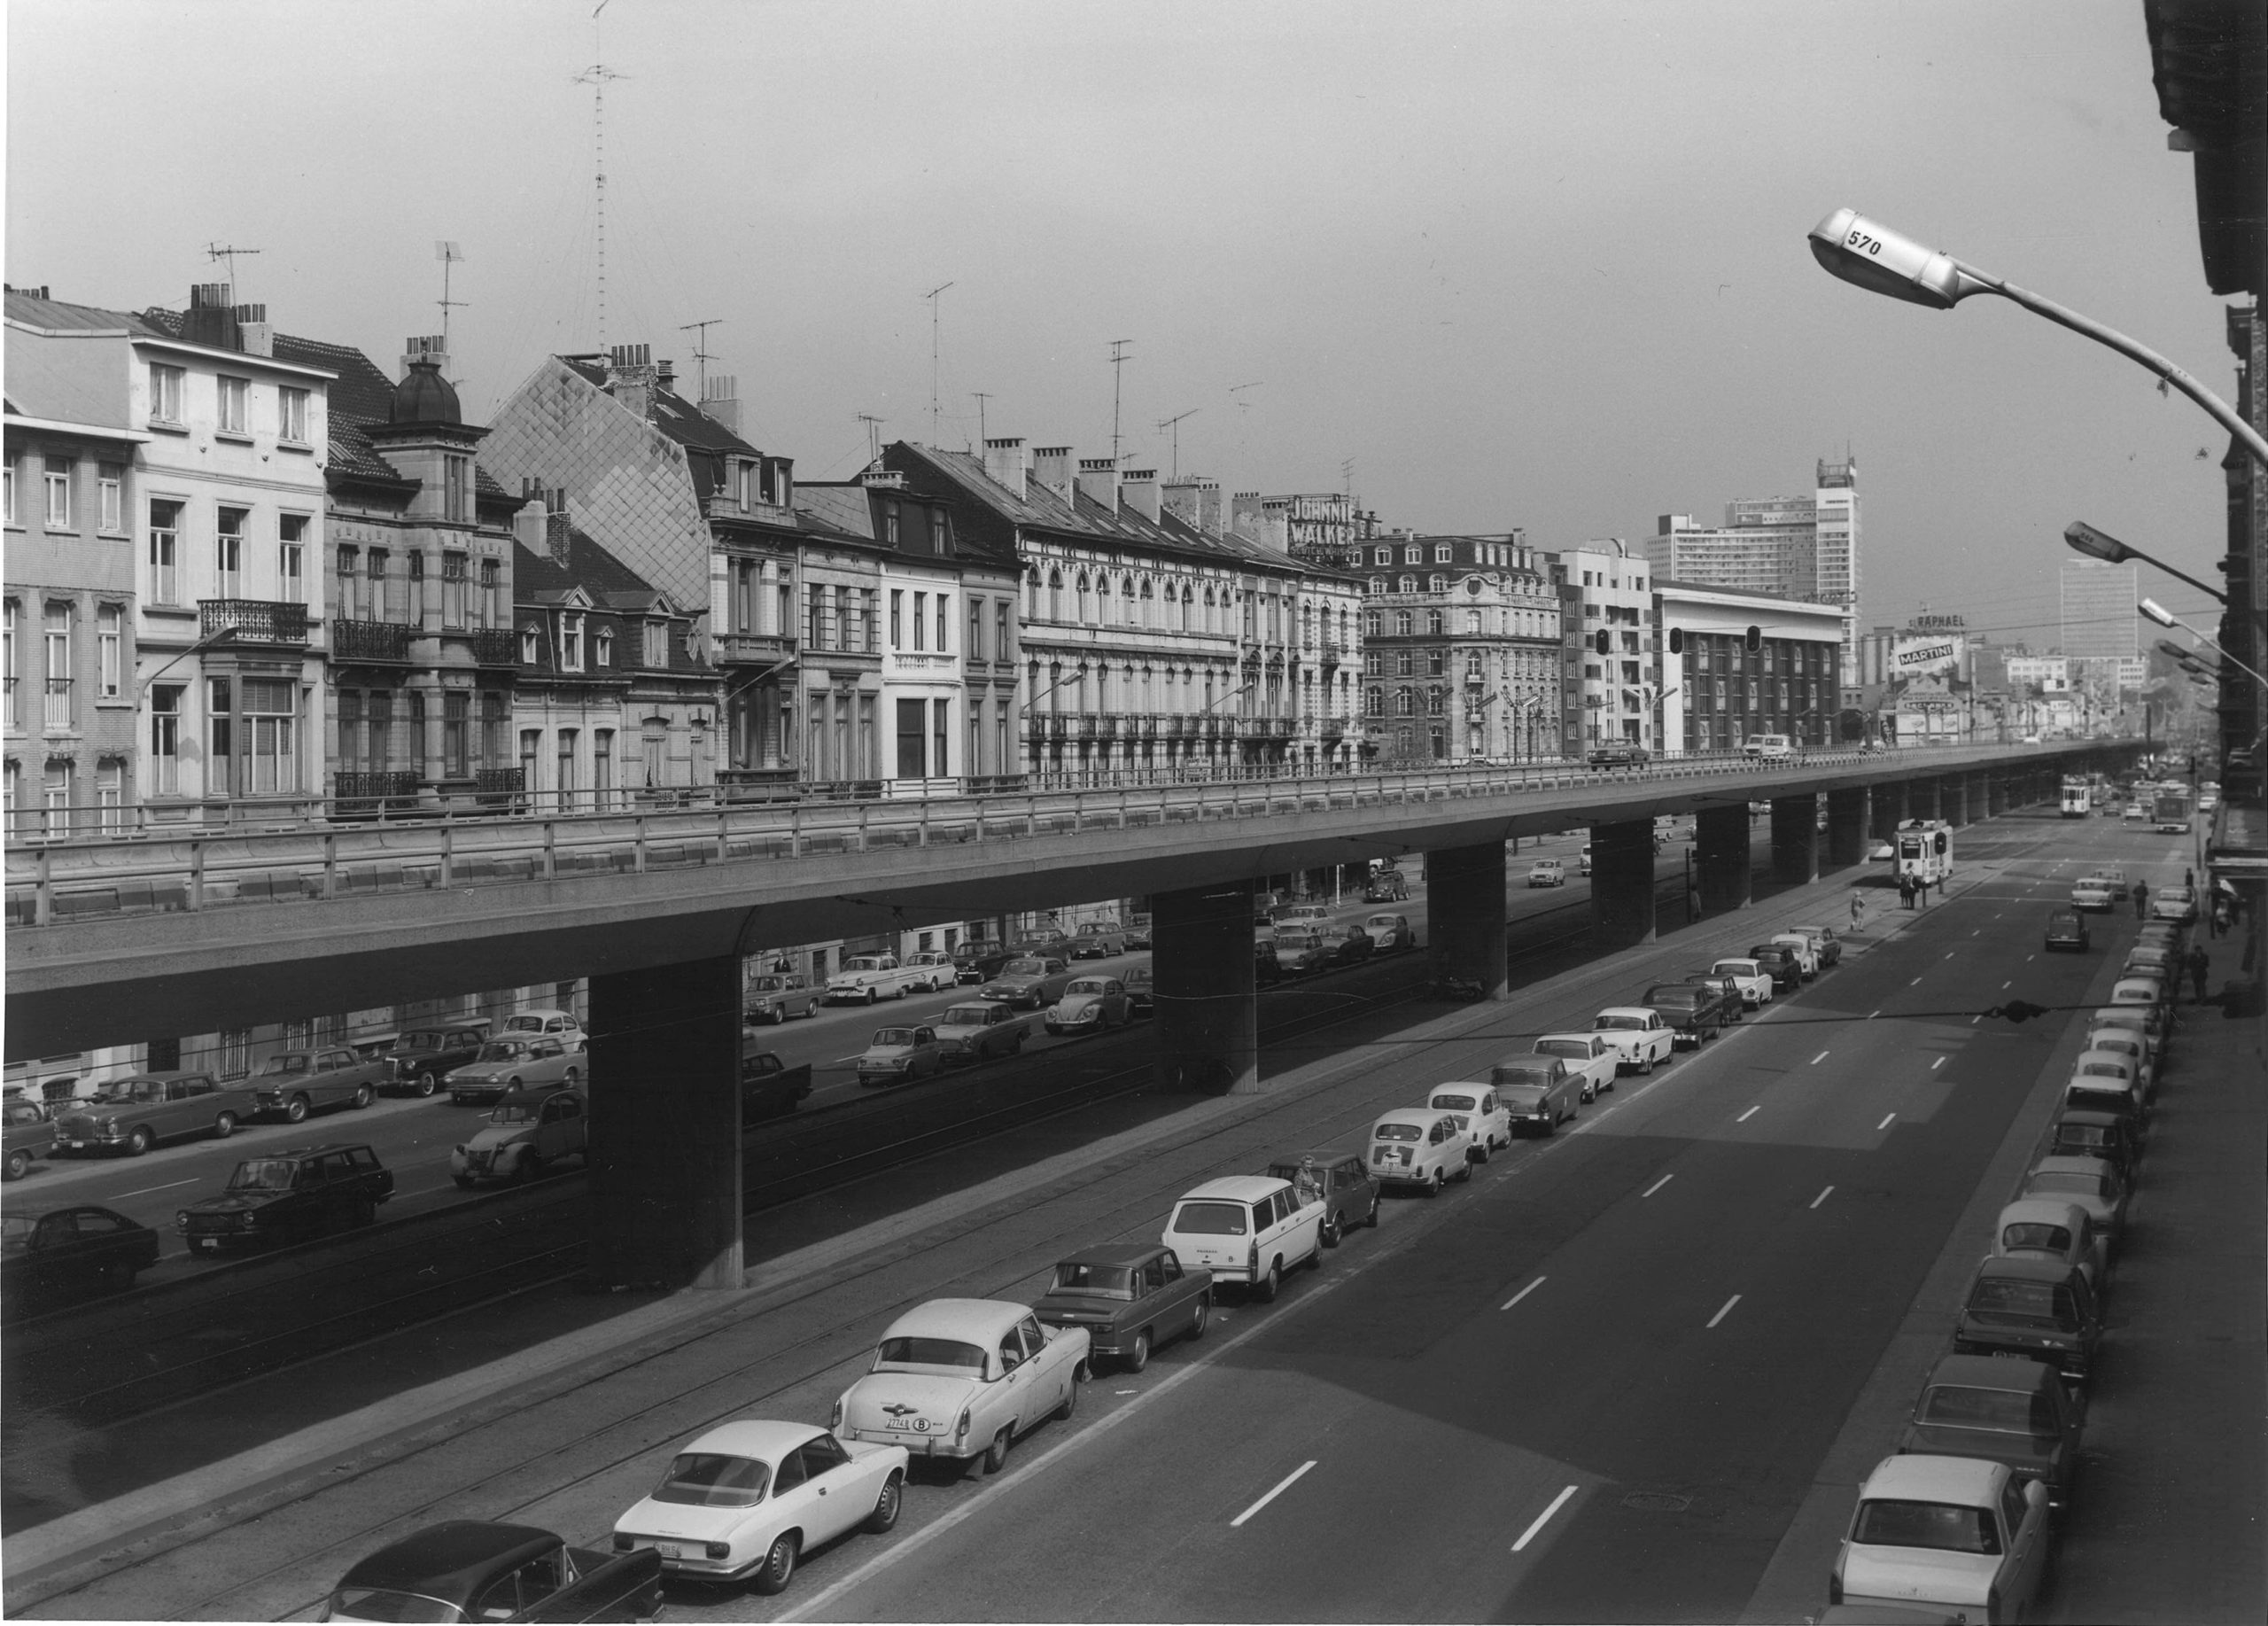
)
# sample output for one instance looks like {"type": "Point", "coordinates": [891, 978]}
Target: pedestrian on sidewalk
{"type": "Point", "coordinates": [2141, 899]}
{"type": "Point", "coordinates": [2189, 879]}
{"type": "Point", "coordinates": [2201, 966]}
{"type": "Point", "coordinates": [1858, 910]}
{"type": "Point", "coordinates": [1906, 891]}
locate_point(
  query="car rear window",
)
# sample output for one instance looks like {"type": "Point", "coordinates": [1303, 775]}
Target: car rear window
{"type": "Point", "coordinates": [1673, 993]}
{"type": "Point", "coordinates": [1398, 1131]}
{"type": "Point", "coordinates": [1577, 1048]}
{"type": "Point", "coordinates": [2002, 1302]}
{"type": "Point", "coordinates": [1610, 1024]}
{"type": "Point", "coordinates": [1955, 1405]}
{"type": "Point", "coordinates": [949, 1352]}
{"type": "Point", "coordinates": [969, 1015]}
{"type": "Point", "coordinates": [1209, 1219]}
{"type": "Point", "coordinates": [1094, 1281]}
{"type": "Point", "coordinates": [2054, 1239]}
{"type": "Point", "coordinates": [887, 1036]}
{"type": "Point", "coordinates": [1085, 984]}
{"type": "Point", "coordinates": [1453, 1103]}
{"type": "Point", "coordinates": [1023, 967]}
{"type": "Point", "coordinates": [2056, 1179]}
{"type": "Point", "coordinates": [366, 1603]}
{"type": "Point", "coordinates": [1944, 1526]}
{"type": "Point", "coordinates": [711, 1479]}
{"type": "Point", "coordinates": [264, 1174]}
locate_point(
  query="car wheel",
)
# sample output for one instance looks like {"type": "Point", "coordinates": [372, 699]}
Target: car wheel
{"type": "Point", "coordinates": [295, 1110]}
{"type": "Point", "coordinates": [778, 1567]}
{"type": "Point", "coordinates": [1371, 1220]}
{"type": "Point", "coordinates": [1198, 1316]}
{"type": "Point", "coordinates": [428, 1081]}
{"type": "Point", "coordinates": [1464, 1172]}
{"type": "Point", "coordinates": [20, 1164]}
{"type": "Point", "coordinates": [530, 1168]}
{"type": "Point", "coordinates": [464, 1181]}
{"type": "Point", "coordinates": [140, 1140]}
{"type": "Point", "coordinates": [224, 1126]}
{"type": "Point", "coordinates": [871, 996]}
{"type": "Point", "coordinates": [1331, 1231]}
{"type": "Point", "coordinates": [995, 1455]}
{"type": "Point", "coordinates": [1071, 1394]}
{"type": "Point", "coordinates": [363, 1096]}
{"type": "Point", "coordinates": [511, 1083]}
{"type": "Point", "coordinates": [1646, 1065]}
{"type": "Point", "coordinates": [884, 1517]}
{"type": "Point", "coordinates": [1433, 1186]}
{"type": "Point", "coordinates": [1479, 1155]}
{"type": "Point", "coordinates": [1589, 1093]}
{"type": "Point", "coordinates": [1269, 1286]}
{"type": "Point", "coordinates": [571, 1077]}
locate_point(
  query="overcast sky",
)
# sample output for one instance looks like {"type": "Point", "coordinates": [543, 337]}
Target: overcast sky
{"type": "Point", "coordinates": [1538, 265]}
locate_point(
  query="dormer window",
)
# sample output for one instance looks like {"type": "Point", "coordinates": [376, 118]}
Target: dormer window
{"type": "Point", "coordinates": [744, 482]}
{"type": "Point", "coordinates": [603, 646]}
{"type": "Point", "coordinates": [529, 646]}
{"type": "Point", "coordinates": [657, 643]}
{"type": "Point", "coordinates": [889, 525]}
{"type": "Point", "coordinates": [571, 642]}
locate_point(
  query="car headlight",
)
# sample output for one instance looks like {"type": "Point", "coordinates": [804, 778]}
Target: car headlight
{"type": "Point", "coordinates": [181, 1220]}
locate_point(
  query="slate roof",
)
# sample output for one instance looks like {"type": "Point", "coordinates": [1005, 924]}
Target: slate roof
{"type": "Point", "coordinates": [682, 422]}
{"type": "Point", "coordinates": [838, 512]}
{"type": "Point", "coordinates": [537, 578]}
{"type": "Point", "coordinates": [60, 317]}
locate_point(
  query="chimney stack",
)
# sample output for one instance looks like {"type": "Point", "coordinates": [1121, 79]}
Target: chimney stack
{"type": "Point", "coordinates": [558, 527]}
{"type": "Point", "coordinates": [665, 374]}
{"type": "Point", "coordinates": [211, 319]}
{"type": "Point", "coordinates": [258, 337]}
{"type": "Point", "coordinates": [1005, 462]}
{"type": "Point", "coordinates": [1195, 501]}
{"type": "Point", "coordinates": [1052, 467]}
{"type": "Point", "coordinates": [1099, 481]}
{"type": "Point", "coordinates": [629, 377]}
{"type": "Point", "coordinates": [424, 347]}
{"type": "Point", "coordinates": [1139, 487]}
{"type": "Point", "coordinates": [721, 403]}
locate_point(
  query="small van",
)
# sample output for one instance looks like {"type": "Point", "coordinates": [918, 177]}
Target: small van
{"type": "Point", "coordinates": [1248, 1229]}
{"type": "Point", "coordinates": [1770, 747]}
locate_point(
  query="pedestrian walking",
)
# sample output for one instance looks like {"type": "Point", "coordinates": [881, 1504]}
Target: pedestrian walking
{"type": "Point", "coordinates": [2200, 968]}
{"type": "Point", "coordinates": [2221, 917]}
{"type": "Point", "coordinates": [1906, 891]}
{"type": "Point", "coordinates": [2141, 899]}
{"type": "Point", "coordinates": [2189, 879]}
{"type": "Point", "coordinates": [1858, 911]}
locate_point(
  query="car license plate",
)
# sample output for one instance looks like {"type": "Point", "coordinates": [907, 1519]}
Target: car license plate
{"type": "Point", "coordinates": [915, 1425]}
{"type": "Point", "coordinates": [77, 1146]}
{"type": "Point", "coordinates": [669, 1548]}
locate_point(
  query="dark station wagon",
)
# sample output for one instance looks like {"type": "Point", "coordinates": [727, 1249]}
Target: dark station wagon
{"type": "Point", "coordinates": [467, 1571]}
{"type": "Point", "coordinates": [1343, 1182]}
{"type": "Point", "coordinates": [1778, 961]}
{"type": "Point", "coordinates": [2066, 928]}
{"type": "Point", "coordinates": [2012, 1412]}
{"type": "Point", "coordinates": [2037, 1309]}
{"type": "Point", "coordinates": [1130, 1297]}
{"type": "Point", "coordinates": [1695, 1011]}
{"type": "Point", "coordinates": [287, 1197]}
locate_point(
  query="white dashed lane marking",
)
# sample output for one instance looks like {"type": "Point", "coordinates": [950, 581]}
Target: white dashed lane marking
{"type": "Point", "coordinates": [1816, 1060]}
{"type": "Point", "coordinates": [1815, 1202]}
{"type": "Point", "coordinates": [1751, 1113]}
{"type": "Point", "coordinates": [1523, 1293]}
{"type": "Point", "coordinates": [1282, 1485]}
{"type": "Point", "coordinates": [1657, 1185]}
{"type": "Point", "coordinates": [1886, 1123]}
{"type": "Point", "coordinates": [1543, 1518]}
{"type": "Point", "coordinates": [1722, 1313]}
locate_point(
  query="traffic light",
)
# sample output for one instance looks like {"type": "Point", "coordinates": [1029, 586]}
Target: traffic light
{"type": "Point", "coordinates": [1603, 641]}
{"type": "Point", "coordinates": [1753, 639]}
{"type": "Point", "coordinates": [1677, 641]}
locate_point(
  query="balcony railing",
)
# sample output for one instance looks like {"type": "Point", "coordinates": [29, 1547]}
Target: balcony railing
{"type": "Point", "coordinates": [495, 646]}
{"type": "Point", "coordinates": [371, 641]}
{"type": "Point", "coordinates": [384, 791]}
{"type": "Point", "coordinates": [499, 788]}
{"type": "Point", "coordinates": [737, 785]}
{"type": "Point", "coordinates": [254, 620]}
{"type": "Point", "coordinates": [754, 649]}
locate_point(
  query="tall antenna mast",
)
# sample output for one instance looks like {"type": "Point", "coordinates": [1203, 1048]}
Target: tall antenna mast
{"type": "Point", "coordinates": [1117, 373]}
{"type": "Point", "coordinates": [1174, 423]}
{"type": "Point", "coordinates": [1347, 473]}
{"type": "Point", "coordinates": [932, 297]}
{"type": "Point", "coordinates": [597, 76]}
{"type": "Point", "coordinates": [981, 399]}
{"type": "Point", "coordinates": [700, 332]}
{"type": "Point", "coordinates": [215, 251]}
{"type": "Point", "coordinates": [449, 253]}
{"type": "Point", "coordinates": [874, 436]}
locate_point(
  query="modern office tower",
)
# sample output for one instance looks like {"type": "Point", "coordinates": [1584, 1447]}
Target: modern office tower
{"type": "Point", "coordinates": [2098, 615]}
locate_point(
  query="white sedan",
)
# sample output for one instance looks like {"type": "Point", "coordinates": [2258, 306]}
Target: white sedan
{"type": "Point", "coordinates": [1479, 1110]}
{"type": "Point", "coordinates": [1639, 1033]}
{"type": "Point", "coordinates": [962, 1378]}
{"type": "Point", "coordinates": [745, 1500]}
{"type": "Point", "coordinates": [1749, 976]}
{"type": "Point", "coordinates": [1954, 1535]}
{"type": "Point", "coordinates": [1548, 872]}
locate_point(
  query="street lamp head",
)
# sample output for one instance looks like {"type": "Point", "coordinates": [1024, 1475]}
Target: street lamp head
{"type": "Point", "coordinates": [1871, 255]}
{"type": "Point", "coordinates": [2081, 537]}
{"type": "Point", "coordinates": [2168, 647]}
{"type": "Point", "coordinates": [2156, 611]}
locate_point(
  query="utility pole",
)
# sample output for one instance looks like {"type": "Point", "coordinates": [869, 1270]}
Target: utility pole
{"type": "Point", "coordinates": [700, 332]}
{"type": "Point", "coordinates": [449, 253]}
{"type": "Point", "coordinates": [1117, 373]}
{"type": "Point", "coordinates": [981, 399]}
{"type": "Point", "coordinates": [597, 76]}
{"type": "Point", "coordinates": [1173, 424]}
{"type": "Point", "coordinates": [932, 297]}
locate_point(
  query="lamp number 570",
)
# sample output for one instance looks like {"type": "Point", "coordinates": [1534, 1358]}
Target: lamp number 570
{"type": "Point", "coordinates": [1860, 240]}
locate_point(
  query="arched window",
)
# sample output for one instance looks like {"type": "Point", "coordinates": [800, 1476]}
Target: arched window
{"type": "Point", "coordinates": [1433, 623]}
{"type": "Point", "coordinates": [1080, 602]}
{"type": "Point", "coordinates": [1148, 604]}
{"type": "Point", "coordinates": [1441, 554]}
{"type": "Point", "coordinates": [1374, 702]}
{"type": "Point", "coordinates": [1409, 583]}
{"type": "Point", "coordinates": [1055, 596]}
{"type": "Point", "coordinates": [1102, 600]}
{"type": "Point", "coordinates": [1378, 584]}
{"type": "Point", "coordinates": [1403, 705]}
{"type": "Point", "coordinates": [1437, 584]}
{"type": "Point", "coordinates": [1472, 621]}
{"type": "Point", "coordinates": [1032, 594]}
{"type": "Point", "coordinates": [1405, 624]}
{"type": "Point", "coordinates": [1188, 601]}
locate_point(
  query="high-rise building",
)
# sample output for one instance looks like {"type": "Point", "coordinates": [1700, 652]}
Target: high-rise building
{"type": "Point", "coordinates": [2098, 615]}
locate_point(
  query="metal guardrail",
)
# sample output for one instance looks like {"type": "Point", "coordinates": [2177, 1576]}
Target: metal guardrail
{"type": "Point", "coordinates": [55, 881]}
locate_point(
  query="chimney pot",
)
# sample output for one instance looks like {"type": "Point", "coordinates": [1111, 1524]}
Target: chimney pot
{"type": "Point", "coordinates": [1099, 481]}
{"type": "Point", "coordinates": [1007, 462]}
{"type": "Point", "coordinates": [1140, 489]}
{"type": "Point", "coordinates": [1051, 466]}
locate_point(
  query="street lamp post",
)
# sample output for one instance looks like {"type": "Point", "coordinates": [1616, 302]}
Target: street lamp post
{"type": "Point", "coordinates": [1872, 256]}
{"type": "Point", "coordinates": [2163, 617]}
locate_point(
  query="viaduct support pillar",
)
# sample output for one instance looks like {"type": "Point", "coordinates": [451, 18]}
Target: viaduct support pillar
{"type": "Point", "coordinates": [1888, 809]}
{"type": "Point", "coordinates": [1464, 915]}
{"type": "Point", "coordinates": [1207, 1019]}
{"type": "Point", "coordinates": [1922, 800]}
{"type": "Point", "coordinates": [1622, 884]}
{"type": "Point", "coordinates": [1846, 828]}
{"type": "Point", "coordinates": [1996, 795]}
{"type": "Point", "coordinates": [1795, 839]}
{"type": "Point", "coordinates": [1720, 850]}
{"type": "Point", "coordinates": [665, 1126]}
{"type": "Point", "coordinates": [1953, 799]}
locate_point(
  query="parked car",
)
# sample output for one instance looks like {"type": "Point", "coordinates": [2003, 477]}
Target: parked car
{"type": "Point", "coordinates": [1824, 943]}
{"type": "Point", "coordinates": [71, 1250]}
{"type": "Point", "coordinates": [466, 1570]}
{"type": "Point", "coordinates": [287, 1197]}
{"type": "Point", "coordinates": [2034, 1308]}
{"type": "Point", "coordinates": [1247, 1229]}
{"type": "Point", "coordinates": [1029, 981]}
{"type": "Point", "coordinates": [2156, 960]}
{"type": "Point", "coordinates": [2174, 903]}
{"type": "Point", "coordinates": [547, 1023]}
{"type": "Point", "coordinates": [769, 1087]}
{"type": "Point", "coordinates": [2066, 928]}
{"type": "Point", "coordinates": [135, 1113]}
{"type": "Point", "coordinates": [1808, 964]}
{"type": "Point", "coordinates": [1695, 1012]}
{"type": "Point", "coordinates": [1385, 886]}
{"type": "Point", "coordinates": [2093, 1184]}
{"type": "Point", "coordinates": [1780, 962]}
{"type": "Point", "coordinates": [1347, 945]}
{"type": "Point", "coordinates": [2149, 1023]}
{"type": "Point", "coordinates": [1098, 940]}
{"type": "Point", "coordinates": [1390, 934]}
{"type": "Point", "coordinates": [1736, 1006]}
{"type": "Point", "coordinates": [1043, 943]}
{"type": "Point", "coordinates": [747, 1499]}
{"type": "Point", "coordinates": [1418, 1145]}
{"type": "Point", "coordinates": [2125, 1042]}
{"type": "Point", "coordinates": [901, 1055]}
{"type": "Point", "coordinates": [1312, 915]}
{"type": "Point", "coordinates": [963, 1378]}
{"type": "Point", "coordinates": [776, 996]}
{"type": "Point", "coordinates": [1770, 747]}
{"type": "Point", "coordinates": [516, 1062]}
{"type": "Point", "coordinates": [2105, 1081]}
{"type": "Point", "coordinates": [1479, 1110]}
{"type": "Point", "coordinates": [1617, 756]}
{"type": "Point", "coordinates": [977, 962]}
{"type": "Point", "coordinates": [866, 978]}
{"type": "Point", "coordinates": [1267, 970]}
{"type": "Point", "coordinates": [28, 1134]}
{"type": "Point", "coordinates": [1752, 977]}
{"type": "Point", "coordinates": [980, 1031]}
{"type": "Point", "coordinates": [424, 1057]}
{"type": "Point", "coordinates": [1141, 991]}
{"type": "Point", "coordinates": [1091, 1005]}
{"type": "Point", "coordinates": [1130, 1298]}
{"type": "Point", "coordinates": [2150, 992]}
{"type": "Point", "coordinates": [2045, 1226]}
{"type": "Point", "coordinates": [1645, 1040]}
{"type": "Point", "coordinates": [1547, 872]}
{"type": "Point", "coordinates": [2012, 1412]}
{"type": "Point", "coordinates": [2077, 1132]}
{"type": "Point", "coordinates": [1349, 1196]}
{"type": "Point", "coordinates": [1583, 860]}
{"type": "Point", "coordinates": [298, 1082]}
{"type": "Point", "coordinates": [1954, 1532]}
{"type": "Point", "coordinates": [1591, 1057]}
{"type": "Point", "coordinates": [1137, 931]}
{"type": "Point", "coordinates": [1539, 1091]}
{"type": "Point", "coordinates": [527, 1135]}
{"type": "Point", "coordinates": [934, 968]}
{"type": "Point", "coordinates": [1299, 953]}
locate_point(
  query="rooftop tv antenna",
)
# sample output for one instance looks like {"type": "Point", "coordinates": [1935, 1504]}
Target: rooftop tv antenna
{"type": "Point", "coordinates": [932, 297]}
{"type": "Point", "coordinates": [598, 76]}
{"type": "Point", "coordinates": [1173, 424]}
{"type": "Point", "coordinates": [874, 436]}
{"type": "Point", "coordinates": [1117, 374]}
{"type": "Point", "coordinates": [216, 251]}
{"type": "Point", "coordinates": [981, 399]}
{"type": "Point", "coordinates": [701, 355]}
{"type": "Point", "coordinates": [1347, 473]}
{"type": "Point", "coordinates": [449, 253]}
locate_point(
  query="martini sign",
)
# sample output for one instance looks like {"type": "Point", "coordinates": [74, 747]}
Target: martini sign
{"type": "Point", "coordinates": [1913, 657]}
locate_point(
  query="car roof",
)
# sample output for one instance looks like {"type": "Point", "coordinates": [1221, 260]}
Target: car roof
{"type": "Point", "coordinates": [1990, 1372]}
{"type": "Point", "coordinates": [1457, 1084]}
{"type": "Point", "coordinates": [1113, 1253]}
{"type": "Point", "coordinates": [751, 1436]}
{"type": "Point", "coordinates": [1917, 1476]}
{"type": "Point", "coordinates": [1235, 1187]}
{"type": "Point", "coordinates": [531, 1098]}
{"type": "Point", "coordinates": [449, 1560]}
{"type": "Point", "coordinates": [2072, 1162]}
{"type": "Point", "coordinates": [1426, 1116]}
{"type": "Point", "coordinates": [1324, 1156]}
{"type": "Point", "coordinates": [2118, 1059]}
{"type": "Point", "coordinates": [1588, 1036]}
{"type": "Point", "coordinates": [972, 1320]}
{"type": "Point", "coordinates": [2025, 1269]}
{"type": "Point", "coordinates": [2089, 1116]}
{"type": "Point", "coordinates": [2040, 1211]}
{"type": "Point", "coordinates": [1623, 1010]}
